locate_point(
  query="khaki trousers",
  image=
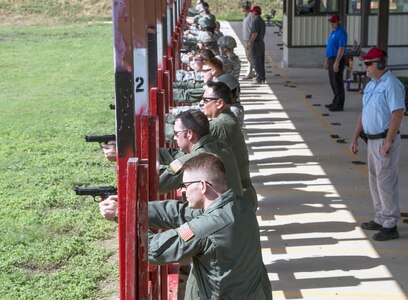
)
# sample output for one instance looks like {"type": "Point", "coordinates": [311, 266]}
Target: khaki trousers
{"type": "Point", "coordinates": [383, 180]}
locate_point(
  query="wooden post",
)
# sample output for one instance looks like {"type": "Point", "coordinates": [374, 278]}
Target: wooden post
{"type": "Point", "coordinates": [365, 12]}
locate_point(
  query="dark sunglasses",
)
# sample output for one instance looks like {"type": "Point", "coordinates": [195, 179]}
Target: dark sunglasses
{"type": "Point", "coordinates": [176, 133]}
{"type": "Point", "coordinates": [206, 70]}
{"type": "Point", "coordinates": [208, 99]}
{"type": "Point", "coordinates": [185, 185]}
{"type": "Point", "coordinates": [369, 63]}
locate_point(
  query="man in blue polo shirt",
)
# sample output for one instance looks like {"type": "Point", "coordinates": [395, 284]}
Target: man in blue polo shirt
{"type": "Point", "coordinates": [335, 63]}
{"type": "Point", "coordinates": [380, 120]}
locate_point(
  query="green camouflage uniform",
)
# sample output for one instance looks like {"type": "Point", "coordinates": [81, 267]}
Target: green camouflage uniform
{"type": "Point", "coordinates": [223, 242]}
{"type": "Point", "coordinates": [236, 65]}
{"type": "Point", "coordinates": [226, 128]}
{"type": "Point", "coordinates": [189, 76]}
{"type": "Point", "coordinates": [227, 66]}
{"type": "Point", "coordinates": [188, 86]}
{"type": "Point", "coordinates": [171, 176]}
{"type": "Point", "coordinates": [187, 95]}
{"type": "Point", "coordinates": [206, 36]}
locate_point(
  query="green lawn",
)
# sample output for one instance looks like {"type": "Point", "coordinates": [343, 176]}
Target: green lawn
{"type": "Point", "coordinates": [55, 87]}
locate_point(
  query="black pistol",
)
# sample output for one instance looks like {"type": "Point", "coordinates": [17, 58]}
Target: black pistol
{"type": "Point", "coordinates": [100, 139]}
{"type": "Point", "coordinates": [102, 192]}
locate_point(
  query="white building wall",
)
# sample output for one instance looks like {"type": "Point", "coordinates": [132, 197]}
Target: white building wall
{"type": "Point", "coordinates": [309, 38]}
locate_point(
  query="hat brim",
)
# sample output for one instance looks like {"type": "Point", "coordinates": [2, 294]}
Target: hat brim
{"type": "Point", "coordinates": [369, 59]}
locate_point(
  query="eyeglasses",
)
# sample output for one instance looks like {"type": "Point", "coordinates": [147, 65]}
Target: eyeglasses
{"type": "Point", "coordinates": [185, 185]}
{"type": "Point", "coordinates": [208, 99]}
{"type": "Point", "coordinates": [369, 63]}
{"type": "Point", "coordinates": [176, 133]}
{"type": "Point", "coordinates": [206, 70]}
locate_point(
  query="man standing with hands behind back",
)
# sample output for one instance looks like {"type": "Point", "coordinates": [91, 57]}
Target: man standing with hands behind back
{"type": "Point", "coordinates": [335, 63]}
{"type": "Point", "coordinates": [246, 34]}
{"type": "Point", "coordinates": [257, 45]}
{"type": "Point", "coordinates": [380, 120]}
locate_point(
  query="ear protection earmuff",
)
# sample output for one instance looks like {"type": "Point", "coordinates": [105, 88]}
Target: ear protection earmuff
{"type": "Point", "coordinates": [381, 64]}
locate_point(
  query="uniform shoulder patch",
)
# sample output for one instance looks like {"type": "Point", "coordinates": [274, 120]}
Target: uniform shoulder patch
{"type": "Point", "coordinates": [185, 232]}
{"type": "Point", "coordinates": [175, 166]}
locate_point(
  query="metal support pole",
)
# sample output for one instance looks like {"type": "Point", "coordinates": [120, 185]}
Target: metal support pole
{"type": "Point", "coordinates": [365, 11]}
{"type": "Point", "coordinates": [383, 24]}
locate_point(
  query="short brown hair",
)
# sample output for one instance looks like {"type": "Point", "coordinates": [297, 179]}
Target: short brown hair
{"type": "Point", "coordinates": [214, 63]}
{"type": "Point", "coordinates": [203, 55]}
{"type": "Point", "coordinates": [209, 165]}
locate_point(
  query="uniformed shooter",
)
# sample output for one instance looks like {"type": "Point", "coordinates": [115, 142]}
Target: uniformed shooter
{"type": "Point", "coordinates": [224, 126]}
{"type": "Point", "coordinates": [192, 133]}
{"type": "Point", "coordinates": [217, 229]}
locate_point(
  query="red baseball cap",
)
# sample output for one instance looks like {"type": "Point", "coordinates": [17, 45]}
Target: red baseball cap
{"type": "Point", "coordinates": [374, 54]}
{"type": "Point", "coordinates": [334, 19]}
{"type": "Point", "coordinates": [256, 9]}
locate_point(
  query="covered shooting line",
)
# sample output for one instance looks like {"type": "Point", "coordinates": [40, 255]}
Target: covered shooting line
{"type": "Point", "coordinates": [147, 40]}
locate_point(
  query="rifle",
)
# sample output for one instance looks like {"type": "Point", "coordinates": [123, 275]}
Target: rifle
{"type": "Point", "coordinates": [103, 192]}
{"type": "Point", "coordinates": [100, 139]}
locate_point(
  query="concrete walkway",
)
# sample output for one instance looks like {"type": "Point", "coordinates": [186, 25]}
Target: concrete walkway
{"type": "Point", "coordinates": [312, 197]}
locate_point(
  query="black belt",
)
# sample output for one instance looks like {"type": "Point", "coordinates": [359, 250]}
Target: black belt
{"type": "Point", "coordinates": [377, 136]}
{"type": "Point", "coordinates": [334, 57]}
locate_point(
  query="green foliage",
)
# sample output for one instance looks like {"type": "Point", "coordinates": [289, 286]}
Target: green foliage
{"type": "Point", "coordinates": [61, 11]}
{"type": "Point", "coordinates": [232, 11]}
{"type": "Point", "coordinates": [40, 11]}
{"type": "Point", "coordinates": [55, 87]}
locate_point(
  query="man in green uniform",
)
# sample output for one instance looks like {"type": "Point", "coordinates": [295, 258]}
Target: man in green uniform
{"type": "Point", "coordinates": [225, 126]}
{"type": "Point", "coordinates": [217, 74]}
{"type": "Point", "coordinates": [191, 131]}
{"type": "Point", "coordinates": [217, 229]}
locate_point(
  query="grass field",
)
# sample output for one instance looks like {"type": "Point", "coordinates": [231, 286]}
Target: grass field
{"type": "Point", "coordinates": [55, 87]}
